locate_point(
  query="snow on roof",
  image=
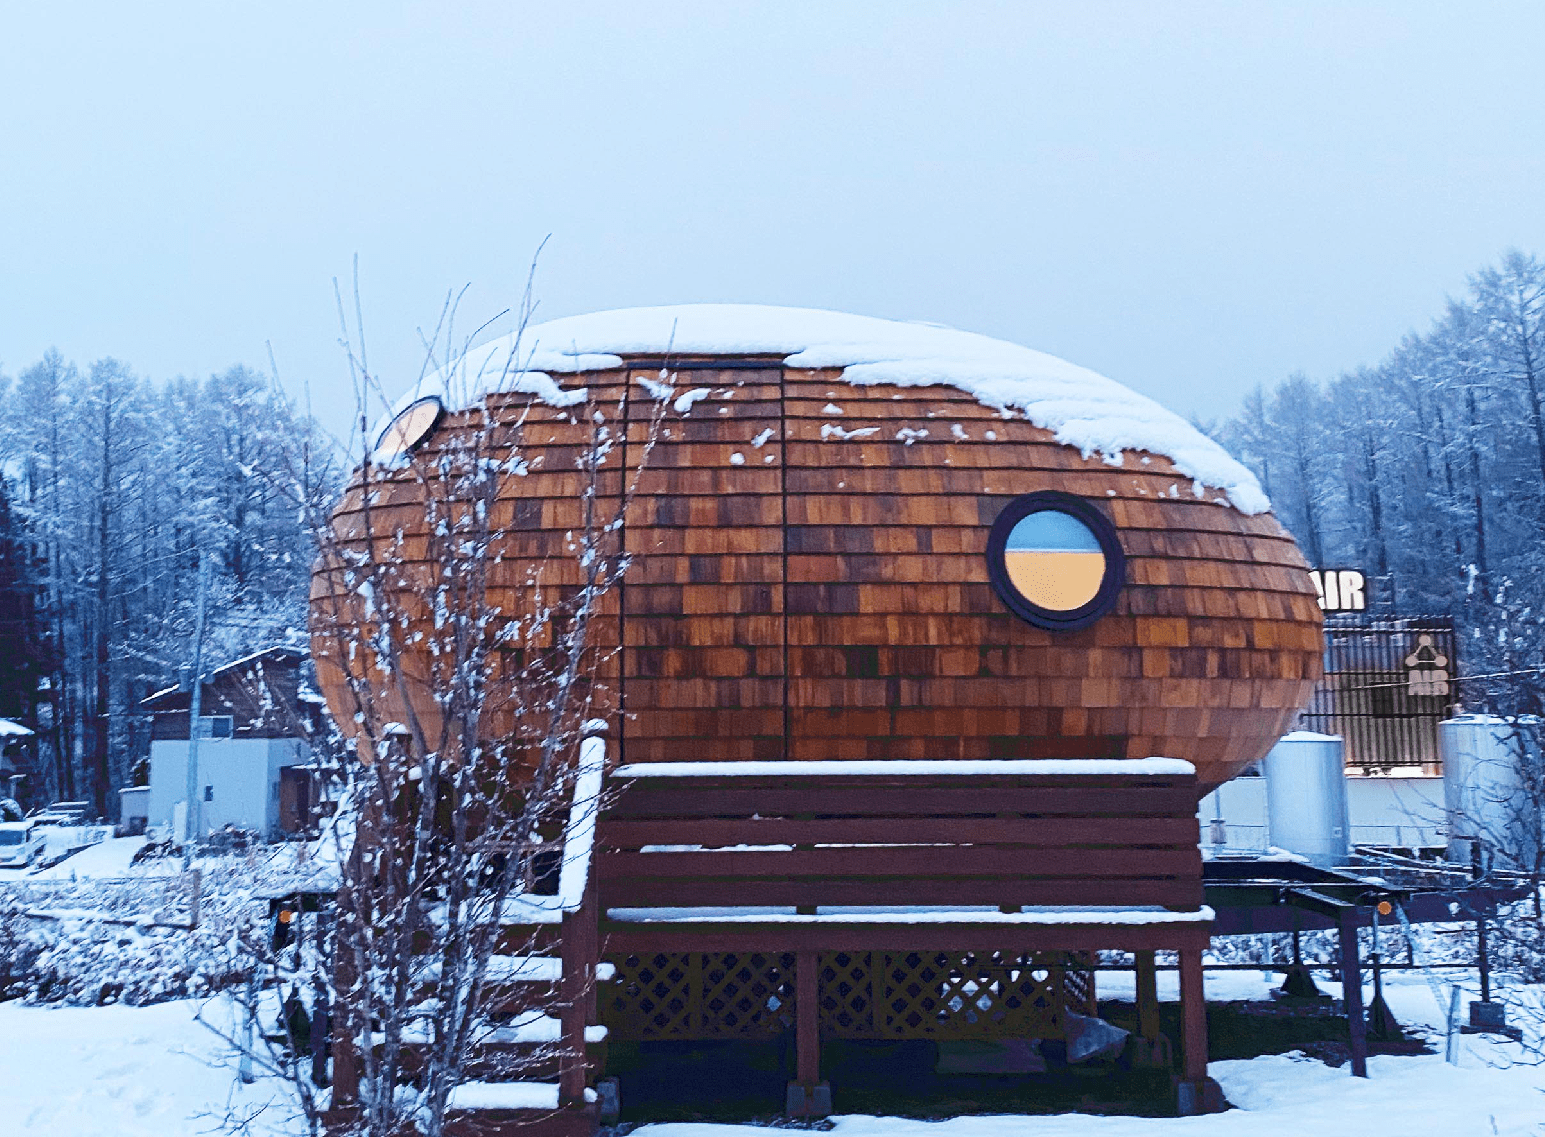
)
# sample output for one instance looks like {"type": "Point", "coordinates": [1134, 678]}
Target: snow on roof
{"type": "Point", "coordinates": [1081, 408]}
{"type": "Point", "coordinates": [278, 651]}
{"type": "Point", "coordinates": [9, 729]}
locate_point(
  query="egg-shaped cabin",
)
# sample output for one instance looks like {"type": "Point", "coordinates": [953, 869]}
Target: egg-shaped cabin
{"type": "Point", "coordinates": [861, 539]}
{"type": "Point", "coordinates": [872, 569]}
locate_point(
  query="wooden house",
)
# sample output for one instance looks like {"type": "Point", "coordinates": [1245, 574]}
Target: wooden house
{"type": "Point", "coordinates": [928, 648]}
{"type": "Point", "coordinates": [255, 730]}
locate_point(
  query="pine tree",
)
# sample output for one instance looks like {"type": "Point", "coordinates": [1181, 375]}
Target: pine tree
{"type": "Point", "coordinates": [21, 645]}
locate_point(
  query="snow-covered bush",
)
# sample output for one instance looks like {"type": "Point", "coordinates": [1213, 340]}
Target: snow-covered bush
{"type": "Point", "coordinates": [89, 941]}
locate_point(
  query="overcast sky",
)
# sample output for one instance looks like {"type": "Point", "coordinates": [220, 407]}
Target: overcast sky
{"type": "Point", "coordinates": [1191, 198]}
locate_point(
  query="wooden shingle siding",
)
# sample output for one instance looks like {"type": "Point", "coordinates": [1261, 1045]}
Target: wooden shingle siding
{"type": "Point", "coordinates": [828, 597]}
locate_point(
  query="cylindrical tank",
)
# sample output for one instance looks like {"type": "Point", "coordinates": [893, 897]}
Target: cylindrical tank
{"type": "Point", "coordinates": [1306, 797]}
{"type": "Point", "coordinates": [1483, 790]}
{"type": "Point", "coordinates": [860, 539]}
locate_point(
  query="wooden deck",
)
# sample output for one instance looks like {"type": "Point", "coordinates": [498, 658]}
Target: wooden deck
{"type": "Point", "coordinates": [739, 898]}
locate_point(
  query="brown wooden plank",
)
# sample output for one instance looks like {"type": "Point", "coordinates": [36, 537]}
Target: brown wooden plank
{"type": "Point", "coordinates": [637, 892]}
{"type": "Point", "coordinates": [1005, 862]}
{"type": "Point", "coordinates": [1072, 832]}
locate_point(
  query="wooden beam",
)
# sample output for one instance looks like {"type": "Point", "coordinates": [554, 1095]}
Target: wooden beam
{"type": "Point", "coordinates": [625, 938]}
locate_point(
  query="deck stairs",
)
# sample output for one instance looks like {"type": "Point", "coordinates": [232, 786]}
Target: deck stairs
{"type": "Point", "coordinates": [542, 1002]}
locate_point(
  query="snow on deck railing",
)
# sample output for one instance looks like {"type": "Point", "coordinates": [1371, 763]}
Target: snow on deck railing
{"type": "Point", "coordinates": [579, 833]}
{"type": "Point", "coordinates": [1059, 767]}
{"type": "Point", "coordinates": [1062, 915]}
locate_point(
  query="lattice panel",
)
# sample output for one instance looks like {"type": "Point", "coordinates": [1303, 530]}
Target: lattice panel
{"type": "Point", "coordinates": [695, 995]}
{"type": "Point", "coordinates": [849, 990]}
{"type": "Point", "coordinates": [698, 995]}
{"type": "Point", "coordinates": [948, 994]}
{"type": "Point", "coordinates": [1078, 983]}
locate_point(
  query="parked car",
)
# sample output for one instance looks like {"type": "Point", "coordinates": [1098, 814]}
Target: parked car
{"type": "Point", "coordinates": [21, 843]}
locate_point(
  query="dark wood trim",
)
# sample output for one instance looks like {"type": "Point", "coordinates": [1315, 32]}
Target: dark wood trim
{"type": "Point", "coordinates": [829, 935]}
{"type": "Point", "coordinates": [783, 516]}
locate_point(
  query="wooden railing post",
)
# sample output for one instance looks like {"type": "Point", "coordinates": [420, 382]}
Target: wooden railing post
{"type": "Point", "coordinates": [572, 1004]}
{"type": "Point", "coordinates": [579, 933]}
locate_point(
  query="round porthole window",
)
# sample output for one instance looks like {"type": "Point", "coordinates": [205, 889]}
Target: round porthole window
{"type": "Point", "coordinates": [1054, 560]}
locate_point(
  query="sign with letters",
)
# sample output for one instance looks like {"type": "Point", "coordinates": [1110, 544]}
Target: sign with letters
{"type": "Point", "coordinates": [1340, 590]}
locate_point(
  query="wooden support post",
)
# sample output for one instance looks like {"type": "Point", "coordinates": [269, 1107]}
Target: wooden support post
{"type": "Point", "coordinates": [807, 1096]}
{"type": "Point", "coordinates": [807, 1012]}
{"type": "Point", "coordinates": [1147, 996]}
{"type": "Point", "coordinates": [1352, 992]}
{"type": "Point", "coordinates": [1193, 1016]}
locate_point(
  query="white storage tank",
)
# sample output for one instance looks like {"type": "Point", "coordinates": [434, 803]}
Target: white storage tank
{"type": "Point", "coordinates": [1306, 797]}
{"type": "Point", "coordinates": [1485, 760]}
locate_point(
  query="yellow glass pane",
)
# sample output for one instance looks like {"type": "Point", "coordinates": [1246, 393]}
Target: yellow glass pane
{"type": "Point", "coordinates": [1054, 561]}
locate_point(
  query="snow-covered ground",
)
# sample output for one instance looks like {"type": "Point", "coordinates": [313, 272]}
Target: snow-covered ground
{"type": "Point", "coordinates": [157, 1072]}
{"type": "Point", "coordinates": [125, 1072]}
{"type": "Point", "coordinates": [108, 859]}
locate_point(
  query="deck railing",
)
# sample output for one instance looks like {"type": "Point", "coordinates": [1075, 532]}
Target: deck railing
{"type": "Point", "coordinates": [580, 934]}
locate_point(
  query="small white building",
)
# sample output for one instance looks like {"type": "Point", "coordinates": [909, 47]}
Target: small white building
{"type": "Point", "coordinates": [253, 727]}
{"type": "Point", "coordinates": [238, 777]}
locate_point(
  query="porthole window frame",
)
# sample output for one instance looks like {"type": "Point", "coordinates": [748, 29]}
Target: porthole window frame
{"type": "Point", "coordinates": [379, 454]}
{"type": "Point", "coordinates": [1081, 510]}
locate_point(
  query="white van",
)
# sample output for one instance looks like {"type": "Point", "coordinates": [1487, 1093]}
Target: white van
{"type": "Point", "coordinates": [21, 843]}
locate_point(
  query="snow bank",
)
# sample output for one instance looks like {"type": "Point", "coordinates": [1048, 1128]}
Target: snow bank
{"type": "Point", "coordinates": [156, 1072]}
{"type": "Point", "coordinates": [127, 1072]}
{"type": "Point", "coordinates": [1081, 407]}
{"type": "Point", "coordinates": [109, 858]}
{"type": "Point", "coordinates": [1276, 1094]}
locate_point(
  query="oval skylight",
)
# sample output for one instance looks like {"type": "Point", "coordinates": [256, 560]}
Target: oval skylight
{"type": "Point", "coordinates": [409, 428]}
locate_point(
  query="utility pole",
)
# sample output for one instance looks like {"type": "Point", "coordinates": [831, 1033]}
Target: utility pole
{"type": "Point", "coordinates": [195, 708]}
